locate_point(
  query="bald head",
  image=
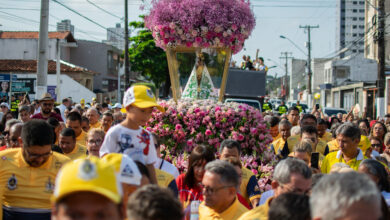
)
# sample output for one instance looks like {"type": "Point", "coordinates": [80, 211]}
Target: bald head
{"type": "Point", "coordinates": [93, 115]}
{"type": "Point", "coordinates": [15, 132]}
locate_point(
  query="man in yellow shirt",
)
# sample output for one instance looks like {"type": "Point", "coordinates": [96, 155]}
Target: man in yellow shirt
{"type": "Point", "coordinates": [220, 183]}
{"type": "Point", "coordinates": [284, 131]}
{"type": "Point", "coordinates": [87, 189]}
{"type": "Point", "coordinates": [93, 117]}
{"type": "Point", "coordinates": [27, 174]}
{"type": "Point", "coordinates": [249, 188]}
{"type": "Point", "coordinates": [73, 120]}
{"type": "Point", "coordinates": [322, 133]}
{"type": "Point", "coordinates": [348, 138]}
{"type": "Point", "coordinates": [68, 145]}
{"type": "Point", "coordinates": [290, 175]}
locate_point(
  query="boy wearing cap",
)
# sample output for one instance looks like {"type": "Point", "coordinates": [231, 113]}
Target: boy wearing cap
{"type": "Point", "coordinates": [87, 189]}
{"type": "Point", "coordinates": [129, 137]}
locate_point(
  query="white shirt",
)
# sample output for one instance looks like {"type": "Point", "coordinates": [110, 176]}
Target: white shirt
{"type": "Point", "coordinates": [137, 144]}
{"type": "Point", "coordinates": [62, 108]}
{"type": "Point", "coordinates": [167, 167]}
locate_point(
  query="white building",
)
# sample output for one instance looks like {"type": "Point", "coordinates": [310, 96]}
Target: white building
{"type": "Point", "coordinates": [298, 79]}
{"type": "Point", "coordinates": [116, 37]}
{"type": "Point", "coordinates": [350, 26]}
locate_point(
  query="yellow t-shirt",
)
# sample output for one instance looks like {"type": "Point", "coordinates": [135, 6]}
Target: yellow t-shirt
{"type": "Point", "coordinates": [277, 145]}
{"type": "Point", "coordinates": [96, 125]}
{"type": "Point", "coordinates": [364, 144]}
{"type": "Point", "coordinates": [163, 178]}
{"type": "Point", "coordinates": [78, 151]}
{"type": "Point", "coordinates": [231, 213]}
{"type": "Point", "coordinates": [249, 188]}
{"type": "Point", "coordinates": [327, 137]}
{"type": "Point", "coordinates": [293, 140]}
{"type": "Point", "coordinates": [82, 139]}
{"type": "Point", "coordinates": [337, 157]}
{"type": "Point", "coordinates": [27, 187]}
{"type": "Point", "coordinates": [258, 213]}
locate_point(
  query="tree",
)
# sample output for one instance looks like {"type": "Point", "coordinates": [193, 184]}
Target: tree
{"type": "Point", "coordinates": [146, 58]}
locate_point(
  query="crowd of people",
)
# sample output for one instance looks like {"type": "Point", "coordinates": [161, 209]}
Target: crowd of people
{"type": "Point", "coordinates": [248, 64]}
{"type": "Point", "coordinates": [97, 161]}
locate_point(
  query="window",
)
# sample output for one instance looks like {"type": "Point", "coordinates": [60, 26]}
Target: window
{"type": "Point", "coordinates": [361, 10]}
{"type": "Point", "coordinates": [361, 43]}
{"type": "Point", "coordinates": [354, 35]}
{"type": "Point", "coordinates": [354, 51]}
{"type": "Point", "coordinates": [354, 26]}
{"type": "Point", "coordinates": [354, 2]}
{"type": "Point", "coordinates": [343, 26]}
{"type": "Point", "coordinates": [354, 19]}
{"type": "Point", "coordinates": [361, 35]}
{"type": "Point", "coordinates": [354, 10]}
{"type": "Point", "coordinates": [342, 10]}
{"type": "Point", "coordinates": [361, 26]}
{"type": "Point", "coordinates": [361, 19]}
{"type": "Point", "coordinates": [361, 3]}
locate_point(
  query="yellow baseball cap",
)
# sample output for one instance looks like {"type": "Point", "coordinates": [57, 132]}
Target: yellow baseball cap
{"type": "Point", "coordinates": [82, 101]}
{"type": "Point", "coordinates": [142, 97]}
{"type": "Point", "coordinates": [125, 168]}
{"type": "Point", "coordinates": [89, 174]}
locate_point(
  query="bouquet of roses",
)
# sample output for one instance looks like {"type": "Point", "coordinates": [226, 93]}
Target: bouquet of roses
{"type": "Point", "coordinates": [201, 23]}
{"type": "Point", "coordinates": [189, 123]}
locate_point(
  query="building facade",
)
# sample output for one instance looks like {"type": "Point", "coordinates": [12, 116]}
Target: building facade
{"type": "Point", "coordinates": [350, 26]}
{"type": "Point", "coordinates": [65, 25]}
{"type": "Point", "coordinates": [116, 37]}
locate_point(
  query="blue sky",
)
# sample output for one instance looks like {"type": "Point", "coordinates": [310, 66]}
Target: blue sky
{"type": "Point", "coordinates": [273, 18]}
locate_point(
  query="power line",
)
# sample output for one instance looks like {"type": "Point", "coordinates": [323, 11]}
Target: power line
{"type": "Point", "coordinates": [24, 9]}
{"type": "Point", "coordinates": [85, 17]}
{"type": "Point", "coordinates": [102, 9]}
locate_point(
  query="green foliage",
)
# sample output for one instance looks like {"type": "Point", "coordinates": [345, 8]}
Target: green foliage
{"type": "Point", "coordinates": [145, 57]}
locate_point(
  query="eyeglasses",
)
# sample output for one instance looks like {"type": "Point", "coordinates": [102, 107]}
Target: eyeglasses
{"type": "Point", "coordinates": [376, 145]}
{"type": "Point", "coordinates": [47, 104]}
{"type": "Point", "coordinates": [96, 142]}
{"type": "Point", "coordinates": [209, 190]}
{"type": "Point", "coordinates": [35, 156]}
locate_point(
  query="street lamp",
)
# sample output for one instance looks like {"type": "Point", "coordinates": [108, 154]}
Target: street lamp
{"type": "Point", "coordinates": [295, 45]}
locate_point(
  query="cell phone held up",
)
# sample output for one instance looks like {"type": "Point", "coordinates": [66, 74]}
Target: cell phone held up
{"type": "Point", "coordinates": [315, 156]}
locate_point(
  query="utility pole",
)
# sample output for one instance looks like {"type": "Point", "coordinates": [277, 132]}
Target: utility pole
{"type": "Point", "coordinates": [309, 73]}
{"type": "Point", "coordinates": [381, 59]}
{"type": "Point", "coordinates": [42, 50]}
{"type": "Point", "coordinates": [286, 56]}
{"type": "Point", "coordinates": [127, 65]}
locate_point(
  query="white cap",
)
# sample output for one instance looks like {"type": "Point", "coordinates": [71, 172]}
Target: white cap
{"type": "Point", "coordinates": [125, 168]}
{"type": "Point", "coordinates": [4, 104]}
{"type": "Point", "coordinates": [117, 105]}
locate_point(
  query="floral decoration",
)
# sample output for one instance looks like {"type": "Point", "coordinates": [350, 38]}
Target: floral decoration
{"type": "Point", "coordinates": [189, 123]}
{"type": "Point", "coordinates": [201, 23]}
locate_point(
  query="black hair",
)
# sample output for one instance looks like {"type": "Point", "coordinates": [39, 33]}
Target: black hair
{"type": "Point", "coordinates": [376, 169]}
{"type": "Point", "coordinates": [53, 122]}
{"type": "Point", "coordinates": [37, 132]}
{"type": "Point", "coordinates": [68, 132]}
{"type": "Point", "coordinates": [74, 116]}
{"type": "Point", "coordinates": [57, 110]}
{"type": "Point", "coordinates": [85, 119]}
{"type": "Point", "coordinates": [321, 121]}
{"type": "Point", "coordinates": [274, 121]}
{"type": "Point", "coordinates": [309, 130]}
{"type": "Point", "coordinates": [293, 108]}
{"type": "Point", "coordinates": [308, 116]}
{"type": "Point", "coordinates": [142, 169]}
{"type": "Point", "coordinates": [290, 206]}
{"type": "Point", "coordinates": [229, 143]}
{"type": "Point", "coordinates": [104, 105]}
{"type": "Point", "coordinates": [109, 114]}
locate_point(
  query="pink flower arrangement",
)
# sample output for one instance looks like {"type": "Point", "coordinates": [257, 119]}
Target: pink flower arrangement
{"type": "Point", "coordinates": [189, 123]}
{"type": "Point", "coordinates": [201, 23]}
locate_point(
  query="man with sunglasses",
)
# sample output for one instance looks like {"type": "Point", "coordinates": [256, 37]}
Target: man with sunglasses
{"type": "Point", "coordinates": [220, 185]}
{"type": "Point", "coordinates": [27, 174]}
{"type": "Point", "coordinates": [47, 104]}
{"type": "Point", "coordinates": [290, 176]}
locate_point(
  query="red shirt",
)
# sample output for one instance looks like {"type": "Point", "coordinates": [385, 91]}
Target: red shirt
{"type": "Point", "coordinates": [243, 201]}
{"type": "Point", "coordinates": [52, 115]}
{"type": "Point", "coordinates": [187, 194]}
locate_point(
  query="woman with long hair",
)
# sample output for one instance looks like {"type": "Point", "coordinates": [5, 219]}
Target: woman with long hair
{"type": "Point", "coordinates": [189, 183]}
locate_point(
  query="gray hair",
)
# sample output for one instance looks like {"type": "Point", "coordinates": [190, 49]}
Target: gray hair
{"type": "Point", "coordinates": [283, 123]}
{"type": "Point", "coordinates": [11, 122]}
{"type": "Point", "coordinates": [335, 193]}
{"type": "Point", "coordinates": [286, 167]}
{"type": "Point", "coordinates": [349, 130]}
{"type": "Point", "coordinates": [225, 170]}
{"type": "Point", "coordinates": [295, 130]}
{"type": "Point", "coordinates": [303, 147]}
